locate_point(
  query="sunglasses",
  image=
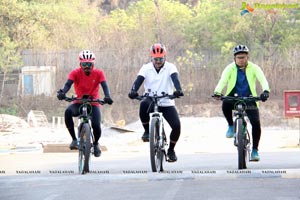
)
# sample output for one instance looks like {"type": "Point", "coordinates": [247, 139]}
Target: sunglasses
{"type": "Point", "coordinates": [240, 57]}
{"type": "Point", "coordinates": [159, 59]}
{"type": "Point", "coordinates": [87, 64]}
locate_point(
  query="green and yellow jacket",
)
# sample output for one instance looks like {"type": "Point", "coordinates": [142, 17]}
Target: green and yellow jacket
{"type": "Point", "coordinates": [253, 73]}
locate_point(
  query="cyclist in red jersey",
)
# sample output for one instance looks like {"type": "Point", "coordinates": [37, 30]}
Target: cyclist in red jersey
{"type": "Point", "coordinates": [87, 80]}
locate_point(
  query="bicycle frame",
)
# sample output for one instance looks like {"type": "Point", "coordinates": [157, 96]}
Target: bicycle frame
{"type": "Point", "coordinates": [157, 136]}
{"type": "Point", "coordinates": [158, 147]}
{"type": "Point", "coordinates": [85, 140]}
{"type": "Point", "coordinates": [242, 137]}
{"type": "Point", "coordinates": [157, 116]}
{"type": "Point", "coordinates": [85, 134]}
{"type": "Point", "coordinates": [84, 118]}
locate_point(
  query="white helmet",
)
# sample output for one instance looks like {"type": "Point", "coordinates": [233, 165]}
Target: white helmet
{"type": "Point", "coordinates": [240, 49]}
{"type": "Point", "coordinates": [86, 56]}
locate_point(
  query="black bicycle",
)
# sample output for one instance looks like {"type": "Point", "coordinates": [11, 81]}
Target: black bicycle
{"type": "Point", "coordinates": [157, 136]}
{"type": "Point", "coordinates": [85, 134]}
{"type": "Point", "coordinates": [242, 138]}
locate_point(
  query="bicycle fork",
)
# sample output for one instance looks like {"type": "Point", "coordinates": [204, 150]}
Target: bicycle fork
{"type": "Point", "coordinates": [78, 135]}
{"type": "Point", "coordinates": [245, 135]}
{"type": "Point", "coordinates": [80, 123]}
{"type": "Point", "coordinates": [163, 140]}
{"type": "Point", "coordinates": [161, 137]}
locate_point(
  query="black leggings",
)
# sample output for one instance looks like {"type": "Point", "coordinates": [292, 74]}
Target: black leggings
{"type": "Point", "coordinates": [169, 113]}
{"type": "Point", "coordinates": [253, 116]}
{"type": "Point", "coordinates": [73, 111]}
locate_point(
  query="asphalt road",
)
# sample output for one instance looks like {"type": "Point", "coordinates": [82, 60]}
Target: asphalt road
{"type": "Point", "coordinates": [127, 175]}
{"type": "Point", "coordinates": [206, 167]}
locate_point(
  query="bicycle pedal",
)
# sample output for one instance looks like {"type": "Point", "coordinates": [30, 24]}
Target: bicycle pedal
{"type": "Point", "coordinates": [235, 143]}
{"type": "Point", "coordinates": [253, 160]}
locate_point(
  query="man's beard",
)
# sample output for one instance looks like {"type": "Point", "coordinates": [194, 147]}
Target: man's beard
{"type": "Point", "coordinates": [87, 72]}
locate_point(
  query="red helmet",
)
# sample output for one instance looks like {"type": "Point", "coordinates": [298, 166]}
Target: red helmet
{"type": "Point", "coordinates": [86, 56]}
{"type": "Point", "coordinates": [158, 50]}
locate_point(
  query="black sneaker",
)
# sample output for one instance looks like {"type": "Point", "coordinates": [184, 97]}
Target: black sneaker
{"type": "Point", "coordinates": [97, 151]}
{"type": "Point", "coordinates": [171, 156]}
{"type": "Point", "coordinates": [73, 145]}
{"type": "Point", "coordinates": [145, 137]}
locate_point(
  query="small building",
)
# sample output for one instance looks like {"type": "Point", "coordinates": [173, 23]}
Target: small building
{"type": "Point", "coordinates": [38, 80]}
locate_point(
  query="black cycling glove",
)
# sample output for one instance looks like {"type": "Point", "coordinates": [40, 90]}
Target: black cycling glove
{"type": "Point", "coordinates": [133, 94]}
{"type": "Point", "coordinates": [264, 96]}
{"type": "Point", "coordinates": [178, 93]}
{"type": "Point", "coordinates": [108, 100]}
{"type": "Point", "coordinates": [61, 95]}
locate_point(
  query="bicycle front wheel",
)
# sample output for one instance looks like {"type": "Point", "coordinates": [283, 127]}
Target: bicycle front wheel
{"type": "Point", "coordinates": [241, 144]}
{"type": "Point", "coordinates": [156, 154]}
{"type": "Point", "coordinates": [84, 149]}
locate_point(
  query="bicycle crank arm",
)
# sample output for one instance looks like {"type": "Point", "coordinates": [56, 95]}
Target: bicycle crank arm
{"type": "Point", "coordinates": [166, 157]}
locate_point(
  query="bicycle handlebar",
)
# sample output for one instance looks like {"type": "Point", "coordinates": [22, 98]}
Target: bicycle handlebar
{"type": "Point", "coordinates": [240, 98]}
{"type": "Point", "coordinates": [237, 98]}
{"type": "Point", "coordinates": [155, 96]}
{"type": "Point", "coordinates": [85, 100]}
{"type": "Point", "coordinates": [239, 101]}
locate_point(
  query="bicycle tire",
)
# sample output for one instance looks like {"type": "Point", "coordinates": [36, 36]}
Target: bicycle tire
{"type": "Point", "coordinates": [241, 144]}
{"type": "Point", "coordinates": [155, 153]}
{"type": "Point", "coordinates": [80, 156]}
{"type": "Point", "coordinates": [85, 151]}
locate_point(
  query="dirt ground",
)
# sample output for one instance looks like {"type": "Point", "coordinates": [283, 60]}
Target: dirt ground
{"type": "Point", "coordinates": [201, 134]}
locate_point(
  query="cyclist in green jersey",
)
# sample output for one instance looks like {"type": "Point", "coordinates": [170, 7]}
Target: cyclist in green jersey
{"type": "Point", "coordinates": [240, 77]}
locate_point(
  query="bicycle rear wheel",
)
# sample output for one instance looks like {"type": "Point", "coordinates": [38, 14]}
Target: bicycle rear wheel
{"type": "Point", "coordinates": [84, 149]}
{"type": "Point", "coordinates": [241, 144]}
{"type": "Point", "coordinates": [156, 154]}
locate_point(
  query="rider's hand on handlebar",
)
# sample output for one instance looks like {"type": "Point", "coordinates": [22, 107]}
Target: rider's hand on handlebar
{"type": "Point", "coordinates": [264, 96]}
{"type": "Point", "coordinates": [133, 94]}
{"type": "Point", "coordinates": [178, 93]}
{"type": "Point", "coordinates": [108, 100]}
{"type": "Point", "coordinates": [61, 95]}
{"type": "Point", "coordinates": [217, 96]}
